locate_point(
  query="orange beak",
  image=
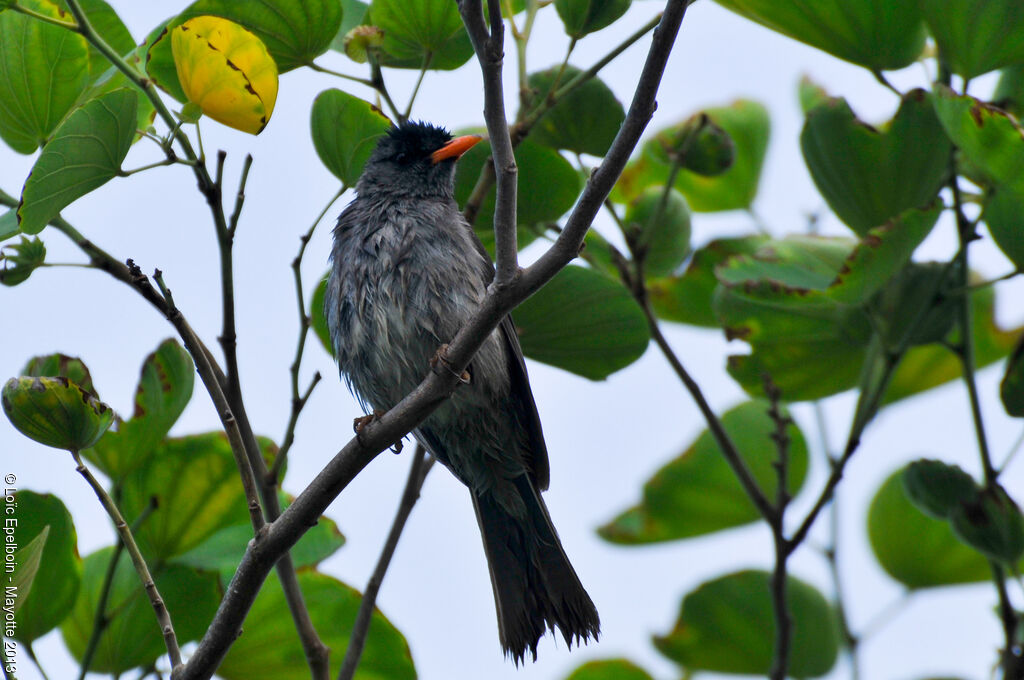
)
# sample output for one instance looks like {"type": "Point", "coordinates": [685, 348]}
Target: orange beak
{"type": "Point", "coordinates": [455, 148]}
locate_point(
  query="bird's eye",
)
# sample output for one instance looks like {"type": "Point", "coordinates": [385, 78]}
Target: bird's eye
{"type": "Point", "coordinates": [401, 157]}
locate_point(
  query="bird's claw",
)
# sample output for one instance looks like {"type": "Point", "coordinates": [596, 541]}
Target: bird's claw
{"type": "Point", "coordinates": [440, 359]}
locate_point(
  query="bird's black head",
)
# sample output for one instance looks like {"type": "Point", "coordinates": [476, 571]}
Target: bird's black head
{"type": "Point", "coordinates": [414, 158]}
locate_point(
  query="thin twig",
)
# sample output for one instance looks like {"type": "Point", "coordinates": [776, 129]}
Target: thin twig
{"type": "Point", "coordinates": [421, 464]}
{"type": "Point", "coordinates": [966, 234]}
{"type": "Point", "coordinates": [390, 427]}
{"type": "Point", "coordinates": [298, 400]}
{"type": "Point", "coordinates": [780, 603]}
{"type": "Point", "coordinates": [725, 443]}
{"type": "Point", "coordinates": [240, 196]}
{"type": "Point", "coordinates": [831, 553]}
{"type": "Point", "coordinates": [101, 620]}
{"type": "Point", "coordinates": [416, 89]}
{"type": "Point", "coordinates": [163, 616]}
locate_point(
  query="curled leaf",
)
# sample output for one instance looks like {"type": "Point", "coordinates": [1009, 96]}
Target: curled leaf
{"type": "Point", "coordinates": [226, 71]}
{"type": "Point", "coordinates": [55, 412]}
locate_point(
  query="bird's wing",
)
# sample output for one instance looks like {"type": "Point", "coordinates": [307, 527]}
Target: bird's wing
{"type": "Point", "coordinates": [526, 407]}
{"type": "Point", "coordinates": [536, 459]}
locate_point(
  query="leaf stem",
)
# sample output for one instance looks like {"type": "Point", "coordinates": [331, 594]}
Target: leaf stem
{"type": "Point", "coordinates": [421, 464]}
{"type": "Point", "coordinates": [163, 616]}
{"type": "Point", "coordinates": [21, 9]}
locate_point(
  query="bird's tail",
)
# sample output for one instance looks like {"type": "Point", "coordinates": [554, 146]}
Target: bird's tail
{"type": "Point", "coordinates": [535, 586]}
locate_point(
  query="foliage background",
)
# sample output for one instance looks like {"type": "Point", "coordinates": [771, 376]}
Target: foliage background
{"type": "Point", "coordinates": [605, 438]}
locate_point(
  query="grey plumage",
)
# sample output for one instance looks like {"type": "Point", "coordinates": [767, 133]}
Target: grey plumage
{"type": "Point", "coordinates": [407, 272]}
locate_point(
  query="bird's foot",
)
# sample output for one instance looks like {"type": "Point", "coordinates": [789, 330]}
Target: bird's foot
{"type": "Point", "coordinates": [360, 423]}
{"type": "Point", "coordinates": [440, 358]}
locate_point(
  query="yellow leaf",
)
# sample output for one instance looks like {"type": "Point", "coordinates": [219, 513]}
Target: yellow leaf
{"type": "Point", "coordinates": [226, 71]}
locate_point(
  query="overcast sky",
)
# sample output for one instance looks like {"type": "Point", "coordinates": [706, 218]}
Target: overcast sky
{"type": "Point", "coordinates": [605, 438]}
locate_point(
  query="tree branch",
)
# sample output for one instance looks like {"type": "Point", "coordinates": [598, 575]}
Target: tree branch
{"type": "Point", "coordinates": [489, 48]}
{"type": "Point", "coordinates": [521, 128]}
{"type": "Point", "coordinates": [389, 428]}
{"type": "Point", "coordinates": [163, 616]}
{"type": "Point", "coordinates": [421, 464]}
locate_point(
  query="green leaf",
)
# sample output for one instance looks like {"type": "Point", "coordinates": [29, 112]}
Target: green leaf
{"type": "Point", "coordinates": [294, 31]}
{"type": "Point", "coordinates": [270, 650]}
{"type": "Point", "coordinates": [195, 482]}
{"type": "Point", "coordinates": [55, 584]}
{"type": "Point", "coordinates": [808, 335]}
{"type": "Point", "coordinates": [319, 321]}
{"type": "Point", "coordinates": [976, 36]}
{"type": "Point", "coordinates": [659, 222]}
{"type": "Point", "coordinates": [915, 288]}
{"type": "Point", "coordinates": [925, 367]}
{"type": "Point", "coordinates": [25, 562]}
{"type": "Point", "coordinates": [1011, 389]}
{"type": "Point", "coordinates": [548, 187]}
{"type": "Point", "coordinates": [420, 33]}
{"type": "Point", "coordinates": [581, 17]}
{"type": "Point", "coordinates": [698, 493]}
{"type": "Point", "coordinates": [877, 34]}
{"type": "Point", "coordinates": [110, 28]}
{"type": "Point", "coordinates": [870, 175]}
{"type": "Point", "coordinates": [990, 522]}
{"type": "Point", "coordinates": [223, 551]}
{"type": "Point", "coordinates": [686, 298]}
{"type": "Point", "coordinates": [935, 488]}
{"type": "Point", "coordinates": [989, 138]}
{"type": "Point", "coordinates": [1004, 215]}
{"type": "Point", "coordinates": [747, 124]}
{"type": "Point", "coordinates": [113, 79]}
{"type": "Point", "coordinates": [61, 366]}
{"type": "Point", "coordinates": [85, 153]}
{"type": "Point", "coordinates": [9, 224]}
{"type": "Point", "coordinates": [811, 94]}
{"type": "Point", "coordinates": [132, 638]}
{"type": "Point", "coordinates": [1009, 94]}
{"type": "Point", "coordinates": [727, 625]}
{"type": "Point", "coordinates": [165, 388]}
{"type": "Point", "coordinates": [19, 260]}
{"type": "Point", "coordinates": [583, 322]}
{"type": "Point", "coordinates": [43, 68]}
{"type": "Point", "coordinates": [704, 147]}
{"type": "Point", "coordinates": [610, 669]}
{"type": "Point", "coordinates": [55, 412]}
{"type": "Point", "coordinates": [345, 132]}
{"type": "Point", "coordinates": [563, 127]}
{"type": "Point", "coordinates": [914, 549]}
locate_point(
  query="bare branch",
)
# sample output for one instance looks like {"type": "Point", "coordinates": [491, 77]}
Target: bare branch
{"type": "Point", "coordinates": [421, 464]}
{"type": "Point", "coordinates": [163, 617]}
{"type": "Point", "coordinates": [489, 48]}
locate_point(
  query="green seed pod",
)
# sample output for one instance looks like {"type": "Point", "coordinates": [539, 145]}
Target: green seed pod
{"type": "Point", "coordinates": [55, 412]}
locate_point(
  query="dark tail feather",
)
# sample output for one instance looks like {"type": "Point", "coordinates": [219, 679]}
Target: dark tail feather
{"type": "Point", "coordinates": [535, 586]}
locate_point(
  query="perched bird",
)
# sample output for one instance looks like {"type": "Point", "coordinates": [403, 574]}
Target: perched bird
{"type": "Point", "coordinates": [407, 272]}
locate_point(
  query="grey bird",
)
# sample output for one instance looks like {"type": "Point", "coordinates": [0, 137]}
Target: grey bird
{"type": "Point", "coordinates": [407, 272]}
